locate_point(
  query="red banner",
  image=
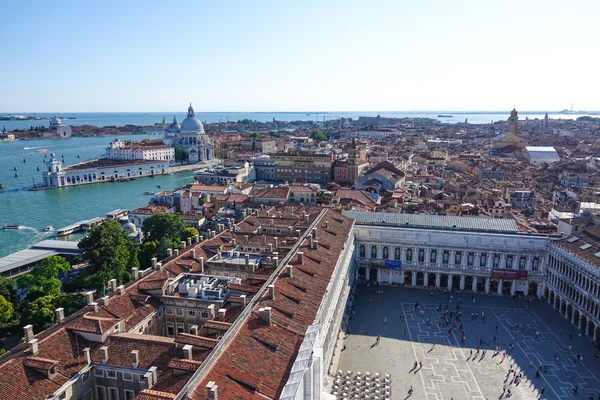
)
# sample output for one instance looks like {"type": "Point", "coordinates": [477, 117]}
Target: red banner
{"type": "Point", "coordinates": [509, 274]}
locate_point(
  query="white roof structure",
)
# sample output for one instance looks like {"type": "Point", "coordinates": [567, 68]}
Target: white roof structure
{"type": "Point", "coordinates": [538, 155]}
{"type": "Point", "coordinates": [22, 260]}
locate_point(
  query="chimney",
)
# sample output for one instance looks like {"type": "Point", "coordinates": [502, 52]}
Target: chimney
{"type": "Point", "coordinates": [201, 260]}
{"type": "Point", "coordinates": [211, 391]}
{"type": "Point", "coordinates": [60, 315]}
{"type": "Point", "coordinates": [194, 329]}
{"type": "Point", "coordinates": [86, 354]}
{"type": "Point", "coordinates": [152, 370]}
{"type": "Point", "coordinates": [316, 243]}
{"type": "Point", "coordinates": [246, 237]}
{"type": "Point", "coordinates": [106, 300]}
{"type": "Point", "coordinates": [247, 259]}
{"type": "Point", "coordinates": [265, 315]}
{"type": "Point", "coordinates": [187, 352]}
{"type": "Point", "coordinates": [264, 239]}
{"type": "Point", "coordinates": [169, 252]}
{"type": "Point", "coordinates": [121, 290]}
{"type": "Point", "coordinates": [197, 239]}
{"type": "Point", "coordinates": [221, 314]}
{"type": "Point", "coordinates": [104, 354]}
{"type": "Point", "coordinates": [270, 247]}
{"type": "Point", "coordinates": [93, 306]}
{"type": "Point", "coordinates": [135, 358]}
{"type": "Point", "coordinates": [310, 242]}
{"type": "Point", "coordinates": [298, 232]}
{"type": "Point", "coordinates": [275, 238]}
{"type": "Point", "coordinates": [326, 224]}
{"type": "Point", "coordinates": [112, 284]}
{"type": "Point", "coordinates": [243, 299]}
{"type": "Point", "coordinates": [153, 260]}
{"type": "Point", "coordinates": [276, 261]}
{"type": "Point", "coordinates": [214, 234]}
{"type": "Point", "coordinates": [290, 270]}
{"type": "Point", "coordinates": [176, 251]}
{"type": "Point", "coordinates": [170, 285]}
{"type": "Point", "coordinates": [300, 257]}
{"type": "Point", "coordinates": [183, 244]}
{"type": "Point", "coordinates": [33, 346]}
{"type": "Point", "coordinates": [89, 297]}
{"type": "Point", "coordinates": [189, 241]}
{"type": "Point", "coordinates": [193, 254]}
{"type": "Point", "coordinates": [209, 233]}
{"type": "Point", "coordinates": [158, 265]}
{"type": "Point", "coordinates": [272, 291]}
{"type": "Point", "coordinates": [314, 232]}
{"type": "Point", "coordinates": [136, 273]}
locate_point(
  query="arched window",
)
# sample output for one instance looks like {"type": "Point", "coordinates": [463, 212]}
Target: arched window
{"type": "Point", "coordinates": [397, 253]}
{"type": "Point", "coordinates": [421, 255]}
{"type": "Point", "coordinates": [509, 262]}
{"type": "Point", "coordinates": [535, 263]}
{"type": "Point", "coordinates": [458, 257]}
{"type": "Point", "coordinates": [362, 251]}
{"type": "Point", "coordinates": [470, 259]}
{"type": "Point", "coordinates": [445, 256]}
{"type": "Point", "coordinates": [433, 256]}
{"type": "Point", "coordinates": [483, 260]}
{"type": "Point", "coordinates": [522, 262]}
{"type": "Point", "coordinates": [409, 254]}
{"type": "Point", "coordinates": [496, 261]}
{"type": "Point", "coordinates": [373, 251]}
{"type": "Point", "coordinates": [386, 253]}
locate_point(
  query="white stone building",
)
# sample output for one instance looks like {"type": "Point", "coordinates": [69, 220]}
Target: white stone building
{"type": "Point", "coordinates": [121, 150]}
{"type": "Point", "coordinates": [190, 137]}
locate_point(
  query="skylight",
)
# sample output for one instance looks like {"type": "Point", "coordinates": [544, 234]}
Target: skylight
{"type": "Point", "coordinates": [585, 246]}
{"type": "Point", "coordinates": [573, 239]}
{"type": "Point", "coordinates": [597, 254]}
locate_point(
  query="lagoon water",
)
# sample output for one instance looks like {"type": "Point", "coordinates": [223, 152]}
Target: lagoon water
{"type": "Point", "coordinates": [60, 207]}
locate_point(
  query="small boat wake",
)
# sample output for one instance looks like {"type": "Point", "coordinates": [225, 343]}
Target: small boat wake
{"type": "Point", "coordinates": [33, 148]}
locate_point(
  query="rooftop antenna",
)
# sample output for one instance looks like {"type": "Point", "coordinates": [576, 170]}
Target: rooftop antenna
{"type": "Point", "coordinates": [571, 107]}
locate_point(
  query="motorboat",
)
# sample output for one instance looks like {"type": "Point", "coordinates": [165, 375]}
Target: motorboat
{"type": "Point", "coordinates": [49, 228]}
{"type": "Point", "coordinates": [149, 193]}
{"type": "Point", "coordinates": [12, 227]}
{"type": "Point", "coordinates": [41, 151]}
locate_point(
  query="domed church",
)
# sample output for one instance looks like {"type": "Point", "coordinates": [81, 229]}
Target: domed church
{"type": "Point", "coordinates": [190, 137]}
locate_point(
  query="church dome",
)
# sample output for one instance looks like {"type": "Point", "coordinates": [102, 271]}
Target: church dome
{"type": "Point", "coordinates": [175, 127]}
{"type": "Point", "coordinates": [191, 123]}
{"type": "Point", "coordinates": [55, 121]}
{"type": "Point", "coordinates": [130, 228]}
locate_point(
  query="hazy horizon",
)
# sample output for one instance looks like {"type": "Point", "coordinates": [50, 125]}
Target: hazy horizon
{"type": "Point", "coordinates": [273, 56]}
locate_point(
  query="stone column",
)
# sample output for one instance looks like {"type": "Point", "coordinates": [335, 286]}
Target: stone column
{"type": "Point", "coordinates": [500, 282]}
{"type": "Point", "coordinates": [487, 285]}
{"type": "Point", "coordinates": [529, 263]}
{"type": "Point", "coordinates": [401, 277]}
{"type": "Point", "coordinates": [474, 286]}
{"type": "Point", "coordinates": [451, 260]}
{"type": "Point", "coordinates": [573, 316]}
{"type": "Point", "coordinates": [477, 260]}
{"type": "Point", "coordinates": [503, 261]}
{"type": "Point", "coordinates": [378, 274]}
{"type": "Point", "coordinates": [426, 280]}
{"type": "Point", "coordinates": [566, 310]}
{"type": "Point", "coordinates": [512, 287]}
{"type": "Point", "coordinates": [414, 278]}
{"type": "Point", "coordinates": [390, 276]}
{"type": "Point", "coordinates": [490, 260]}
{"type": "Point", "coordinates": [462, 282]}
{"type": "Point", "coordinates": [464, 258]}
{"type": "Point", "coordinates": [368, 274]}
{"type": "Point", "coordinates": [450, 277]}
{"type": "Point", "coordinates": [527, 289]}
{"type": "Point", "coordinates": [437, 280]}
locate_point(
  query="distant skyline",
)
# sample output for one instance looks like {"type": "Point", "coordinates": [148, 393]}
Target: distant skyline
{"type": "Point", "coordinates": [309, 56]}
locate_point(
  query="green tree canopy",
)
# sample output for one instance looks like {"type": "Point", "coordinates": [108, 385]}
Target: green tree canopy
{"type": "Point", "coordinates": [43, 278]}
{"type": "Point", "coordinates": [7, 288]}
{"type": "Point", "coordinates": [6, 311]}
{"type": "Point", "coordinates": [318, 135]}
{"type": "Point", "coordinates": [160, 225]}
{"type": "Point", "coordinates": [145, 140]}
{"type": "Point", "coordinates": [191, 232]}
{"type": "Point", "coordinates": [107, 251]}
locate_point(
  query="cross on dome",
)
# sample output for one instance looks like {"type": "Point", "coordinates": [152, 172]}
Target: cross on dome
{"type": "Point", "coordinates": [191, 111]}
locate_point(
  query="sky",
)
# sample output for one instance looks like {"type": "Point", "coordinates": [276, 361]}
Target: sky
{"type": "Point", "coordinates": [304, 55]}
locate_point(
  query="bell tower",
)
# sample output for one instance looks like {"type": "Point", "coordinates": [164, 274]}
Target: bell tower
{"type": "Point", "coordinates": [513, 121]}
{"type": "Point", "coordinates": [352, 161]}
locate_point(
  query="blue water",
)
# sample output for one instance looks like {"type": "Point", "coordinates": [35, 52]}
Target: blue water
{"type": "Point", "coordinates": [145, 119]}
{"type": "Point", "coordinates": [61, 207]}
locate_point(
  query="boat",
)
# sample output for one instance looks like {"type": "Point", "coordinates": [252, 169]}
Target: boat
{"type": "Point", "coordinates": [12, 227]}
{"type": "Point", "coordinates": [49, 228]}
{"type": "Point", "coordinates": [41, 150]}
{"type": "Point", "coordinates": [149, 193]}
{"type": "Point", "coordinates": [158, 186]}
{"type": "Point", "coordinates": [445, 116]}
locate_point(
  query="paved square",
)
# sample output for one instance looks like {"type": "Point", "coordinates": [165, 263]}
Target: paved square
{"type": "Point", "coordinates": [455, 370]}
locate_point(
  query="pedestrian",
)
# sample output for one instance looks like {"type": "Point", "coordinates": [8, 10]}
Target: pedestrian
{"type": "Point", "coordinates": [410, 391]}
{"type": "Point", "coordinates": [415, 365]}
{"type": "Point", "coordinates": [405, 332]}
{"type": "Point", "coordinates": [420, 365]}
{"type": "Point", "coordinates": [530, 362]}
{"type": "Point", "coordinates": [542, 390]}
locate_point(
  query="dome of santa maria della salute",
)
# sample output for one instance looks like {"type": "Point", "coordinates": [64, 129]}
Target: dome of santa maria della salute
{"type": "Point", "coordinates": [191, 123]}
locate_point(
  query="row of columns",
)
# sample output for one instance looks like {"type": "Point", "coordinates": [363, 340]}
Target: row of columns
{"type": "Point", "coordinates": [450, 281]}
{"type": "Point", "coordinates": [557, 303]}
{"type": "Point", "coordinates": [574, 275]}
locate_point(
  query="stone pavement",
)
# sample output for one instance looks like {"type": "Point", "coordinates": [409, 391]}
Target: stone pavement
{"type": "Point", "coordinates": [454, 370]}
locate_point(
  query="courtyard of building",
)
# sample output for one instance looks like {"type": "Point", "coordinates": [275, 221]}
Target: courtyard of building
{"type": "Point", "coordinates": [542, 340]}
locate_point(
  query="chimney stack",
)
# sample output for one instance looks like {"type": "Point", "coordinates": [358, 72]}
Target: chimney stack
{"type": "Point", "coordinates": [135, 358]}
{"type": "Point", "coordinates": [197, 239]}
{"type": "Point", "coordinates": [201, 260]}
{"type": "Point", "coordinates": [60, 315]}
{"type": "Point", "coordinates": [194, 329]}
{"type": "Point", "coordinates": [89, 297]}
{"type": "Point", "coordinates": [176, 251]}
{"type": "Point", "coordinates": [316, 244]}
{"type": "Point", "coordinates": [33, 346]}
{"type": "Point", "coordinates": [314, 232]}
{"type": "Point", "coordinates": [106, 300]}
{"type": "Point", "coordinates": [310, 242]}
{"type": "Point", "coordinates": [290, 270]}
{"type": "Point", "coordinates": [136, 273]}
{"type": "Point", "coordinates": [298, 232]}
{"type": "Point", "coordinates": [187, 352]}
{"type": "Point", "coordinates": [326, 224]}
{"type": "Point", "coordinates": [221, 314]}
{"type": "Point", "coordinates": [93, 306]}
{"type": "Point", "coordinates": [104, 354]}
{"type": "Point", "coordinates": [275, 238]}
{"type": "Point", "coordinates": [86, 354]}
{"type": "Point", "coordinates": [211, 391]}
{"type": "Point", "coordinates": [300, 257]}
{"type": "Point", "coordinates": [112, 284]}
{"type": "Point", "coordinates": [169, 252]}
{"type": "Point", "coordinates": [121, 290]}
{"type": "Point", "coordinates": [189, 241]}
{"type": "Point", "coordinates": [183, 244]}
{"type": "Point", "coordinates": [270, 247]}
{"type": "Point", "coordinates": [272, 291]}
{"type": "Point", "coordinates": [247, 259]}
{"type": "Point", "coordinates": [153, 260]}
{"type": "Point", "coordinates": [265, 315]}
{"type": "Point", "coordinates": [193, 254]}
{"type": "Point", "coordinates": [243, 299]}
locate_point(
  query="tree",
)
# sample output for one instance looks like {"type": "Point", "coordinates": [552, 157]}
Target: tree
{"type": "Point", "coordinates": [107, 251]}
{"type": "Point", "coordinates": [180, 155]}
{"type": "Point", "coordinates": [318, 135]}
{"type": "Point", "coordinates": [7, 288]}
{"type": "Point", "coordinates": [6, 311]}
{"type": "Point", "coordinates": [40, 312]}
{"type": "Point", "coordinates": [43, 278]}
{"type": "Point", "coordinates": [191, 232]}
{"type": "Point", "coordinates": [148, 250]}
{"type": "Point", "coordinates": [254, 135]}
{"type": "Point", "coordinates": [145, 140]}
{"type": "Point", "coordinates": [160, 225]}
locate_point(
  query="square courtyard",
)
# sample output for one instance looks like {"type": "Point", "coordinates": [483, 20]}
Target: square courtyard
{"type": "Point", "coordinates": [455, 370]}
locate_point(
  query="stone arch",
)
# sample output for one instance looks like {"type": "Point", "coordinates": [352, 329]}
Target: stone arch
{"type": "Point", "coordinates": [444, 281]}
{"type": "Point", "coordinates": [408, 277]}
{"type": "Point", "coordinates": [420, 278]}
{"type": "Point", "coordinates": [468, 282]}
{"type": "Point", "coordinates": [576, 316]}
{"type": "Point", "coordinates": [569, 311]}
{"type": "Point", "coordinates": [431, 280]}
{"type": "Point", "coordinates": [455, 282]}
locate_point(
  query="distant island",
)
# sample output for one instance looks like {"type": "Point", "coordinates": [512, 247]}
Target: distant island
{"type": "Point", "coordinates": [587, 118]}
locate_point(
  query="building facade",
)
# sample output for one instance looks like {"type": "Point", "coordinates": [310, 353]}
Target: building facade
{"type": "Point", "coordinates": [189, 136]}
{"type": "Point", "coordinates": [302, 166]}
{"type": "Point", "coordinates": [121, 150]}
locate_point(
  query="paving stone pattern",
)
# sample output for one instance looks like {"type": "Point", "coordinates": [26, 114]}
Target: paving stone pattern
{"type": "Point", "coordinates": [455, 370]}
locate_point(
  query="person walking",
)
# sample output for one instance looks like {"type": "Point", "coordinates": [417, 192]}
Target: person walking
{"type": "Point", "coordinates": [530, 362]}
